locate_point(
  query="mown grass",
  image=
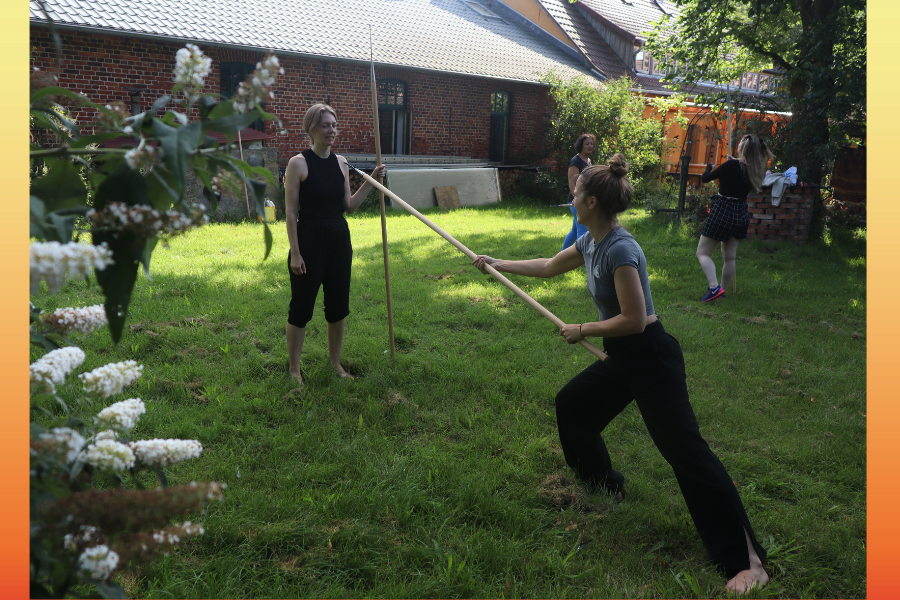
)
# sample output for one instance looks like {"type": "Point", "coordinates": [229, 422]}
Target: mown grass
{"type": "Point", "coordinates": [438, 474]}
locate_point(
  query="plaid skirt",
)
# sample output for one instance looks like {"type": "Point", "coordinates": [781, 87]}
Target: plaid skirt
{"type": "Point", "coordinates": [727, 218]}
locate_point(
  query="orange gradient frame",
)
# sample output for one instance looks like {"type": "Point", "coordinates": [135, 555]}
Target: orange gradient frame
{"type": "Point", "coordinates": [883, 405]}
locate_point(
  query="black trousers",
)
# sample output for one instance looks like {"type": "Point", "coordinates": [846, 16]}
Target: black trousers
{"type": "Point", "coordinates": [649, 368]}
{"type": "Point", "coordinates": [326, 249]}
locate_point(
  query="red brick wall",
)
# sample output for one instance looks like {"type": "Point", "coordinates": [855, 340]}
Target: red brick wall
{"type": "Point", "coordinates": [451, 113]}
{"type": "Point", "coordinates": [789, 221]}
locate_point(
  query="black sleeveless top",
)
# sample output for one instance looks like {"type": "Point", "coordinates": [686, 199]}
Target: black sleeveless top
{"type": "Point", "coordinates": [322, 193]}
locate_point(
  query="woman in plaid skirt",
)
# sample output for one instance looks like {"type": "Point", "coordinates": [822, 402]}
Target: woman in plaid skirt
{"type": "Point", "coordinates": [728, 218]}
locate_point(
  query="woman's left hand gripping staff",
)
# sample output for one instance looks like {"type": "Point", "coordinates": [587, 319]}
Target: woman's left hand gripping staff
{"type": "Point", "coordinates": [572, 333]}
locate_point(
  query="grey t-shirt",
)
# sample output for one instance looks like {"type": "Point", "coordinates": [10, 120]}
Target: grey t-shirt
{"type": "Point", "coordinates": [617, 248]}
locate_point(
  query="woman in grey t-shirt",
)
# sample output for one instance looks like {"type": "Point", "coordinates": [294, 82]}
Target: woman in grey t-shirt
{"type": "Point", "coordinates": [645, 364]}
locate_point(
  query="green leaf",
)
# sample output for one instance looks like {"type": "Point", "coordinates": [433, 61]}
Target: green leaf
{"type": "Point", "coordinates": [47, 120]}
{"type": "Point", "coordinates": [149, 245]}
{"type": "Point", "coordinates": [108, 589]}
{"type": "Point", "coordinates": [268, 237]}
{"type": "Point", "coordinates": [61, 91]}
{"type": "Point", "coordinates": [117, 280]}
{"type": "Point", "coordinates": [64, 226]}
{"type": "Point", "coordinates": [124, 184]}
{"type": "Point", "coordinates": [225, 120]}
{"type": "Point", "coordinates": [205, 105]}
{"type": "Point", "coordinates": [161, 186]}
{"type": "Point", "coordinates": [158, 105]}
{"type": "Point", "coordinates": [61, 187]}
{"type": "Point", "coordinates": [178, 143]}
{"type": "Point", "coordinates": [97, 138]}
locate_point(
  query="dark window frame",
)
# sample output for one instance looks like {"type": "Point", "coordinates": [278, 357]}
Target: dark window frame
{"type": "Point", "coordinates": [393, 101]}
{"type": "Point", "coordinates": [231, 75]}
{"type": "Point", "coordinates": [501, 118]}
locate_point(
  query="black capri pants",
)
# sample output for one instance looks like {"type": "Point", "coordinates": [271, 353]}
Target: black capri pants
{"type": "Point", "coordinates": [649, 368]}
{"type": "Point", "coordinates": [326, 250]}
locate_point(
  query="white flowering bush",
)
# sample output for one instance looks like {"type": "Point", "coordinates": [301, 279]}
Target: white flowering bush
{"type": "Point", "coordinates": [122, 416]}
{"type": "Point", "coordinates": [111, 379]}
{"type": "Point", "coordinates": [140, 197]}
{"type": "Point", "coordinates": [161, 453]}
{"type": "Point", "coordinates": [70, 320]}
{"type": "Point", "coordinates": [99, 562]}
{"type": "Point", "coordinates": [55, 263]}
{"type": "Point", "coordinates": [90, 510]}
{"type": "Point", "coordinates": [53, 368]}
{"type": "Point", "coordinates": [107, 455]}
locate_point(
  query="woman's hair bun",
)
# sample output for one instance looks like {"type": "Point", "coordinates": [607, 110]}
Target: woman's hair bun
{"type": "Point", "coordinates": [617, 165]}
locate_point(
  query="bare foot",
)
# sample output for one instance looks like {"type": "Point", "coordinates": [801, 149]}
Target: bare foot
{"type": "Point", "coordinates": [298, 378]}
{"type": "Point", "coordinates": [620, 496]}
{"type": "Point", "coordinates": [754, 577]}
{"type": "Point", "coordinates": [343, 374]}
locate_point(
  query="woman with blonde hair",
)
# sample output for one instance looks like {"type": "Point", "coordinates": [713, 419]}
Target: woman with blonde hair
{"type": "Point", "coordinates": [317, 193]}
{"type": "Point", "coordinates": [645, 364]}
{"type": "Point", "coordinates": [729, 218]}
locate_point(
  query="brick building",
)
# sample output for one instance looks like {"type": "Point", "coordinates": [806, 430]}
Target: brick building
{"type": "Point", "coordinates": [455, 79]}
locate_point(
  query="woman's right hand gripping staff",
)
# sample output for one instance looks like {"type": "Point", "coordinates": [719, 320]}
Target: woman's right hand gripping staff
{"type": "Point", "coordinates": [646, 365]}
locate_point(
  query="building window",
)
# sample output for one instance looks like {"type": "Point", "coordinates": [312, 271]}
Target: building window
{"type": "Point", "coordinates": [642, 62]}
{"type": "Point", "coordinates": [394, 120]}
{"type": "Point", "coordinates": [231, 75]}
{"type": "Point", "coordinates": [501, 109]}
{"type": "Point", "coordinates": [749, 80]}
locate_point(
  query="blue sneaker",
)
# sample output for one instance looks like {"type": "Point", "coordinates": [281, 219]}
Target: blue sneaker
{"type": "Point", "coordinates": [713, 293]}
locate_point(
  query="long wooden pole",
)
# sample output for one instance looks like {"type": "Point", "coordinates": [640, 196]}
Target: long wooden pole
{"type": "Point", "coordinates": [384, 244]}
{"type": "Point", "coordinates": [246, 193]}
{"type": "Point", "coordinates": [494, 272]}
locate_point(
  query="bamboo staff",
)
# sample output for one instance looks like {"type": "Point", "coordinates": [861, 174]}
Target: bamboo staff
{"type": "Point", "coordinates": [246, 193]}
{"type": "Point", "coordinates": [384, 246]}
{"type": "Point", "coordinates": [491, 270]}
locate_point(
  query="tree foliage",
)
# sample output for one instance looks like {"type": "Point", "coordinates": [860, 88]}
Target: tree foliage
{"type": "Point", "coordinates": [818, 46]}
{"type": "Point", "coordinates": [614, 114]}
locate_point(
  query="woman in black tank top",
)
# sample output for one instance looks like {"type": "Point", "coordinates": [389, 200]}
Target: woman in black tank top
{"type": "Point", "coordinates": [317, 193]}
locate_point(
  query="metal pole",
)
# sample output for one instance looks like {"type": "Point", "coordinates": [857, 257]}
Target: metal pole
{"type": "Point", "coordinates": [682, 184]}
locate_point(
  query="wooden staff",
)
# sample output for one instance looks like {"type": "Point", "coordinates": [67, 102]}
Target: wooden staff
{"type": "Point", "coordinates": [384, 246]}
{"type": "Point", "coordinates": [491, 270]}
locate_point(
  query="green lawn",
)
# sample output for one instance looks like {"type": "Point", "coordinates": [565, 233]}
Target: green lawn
{"type": "Point", "coordinates": [438, 474]}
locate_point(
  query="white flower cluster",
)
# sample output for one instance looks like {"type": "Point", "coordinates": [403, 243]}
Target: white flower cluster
{"type": "Point", "coordinates": [214, 489]}
{"type": "Point", "coordinates": [86, 535]}
{"type": "Point", "coordinates": [160, 453]}
{"type": "Point", "coordinates": [191, 67]}
{"type": "Point", "coordinates": [146, 220]}
{"type": "Point", "coordinates": [171, 535]}
{"type": "Point", "coordinates": [107, 434]}
{"type": "Point", "coordinates": [99, 561]}
{"type": "Point", "coordinates": [57, 262]}
{"type": "Point", "coordinates": [112, 378]}
{"type": "Point", "coordinates": [144, 156]}
{"type": "Point", "coordinates": [62, 441]}
{"type": "Point", "coordinates": [256, 88]}
{"type": "Point", "coordinates": [84, 320]}
{"type": "Point", "coordinates": [52, 369]}
{"type": "Point", "coordinates": [109, 455]}
{"type": "Point", "coordinates": [122, 415]}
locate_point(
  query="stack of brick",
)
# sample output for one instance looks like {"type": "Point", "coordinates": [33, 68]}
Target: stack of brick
{"type": "Point", "coordinates": [787, 222]}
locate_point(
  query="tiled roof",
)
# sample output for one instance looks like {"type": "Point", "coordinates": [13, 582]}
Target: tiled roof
{"type": "Point", "coordinates": [586, 37]}
{"type": "Point", "coordinates": [440, 35]}
{"type": "Point", "coordinates": [634, 16]}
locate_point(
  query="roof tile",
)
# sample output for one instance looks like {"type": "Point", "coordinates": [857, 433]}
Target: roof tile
{"type": "Point", "coordinates": [443, 35]}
